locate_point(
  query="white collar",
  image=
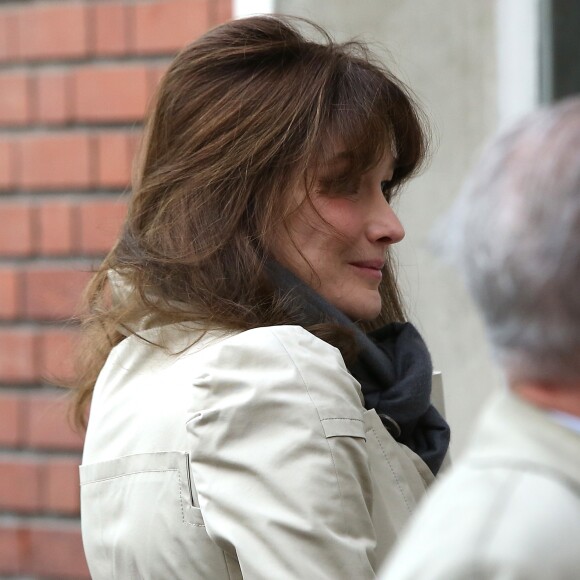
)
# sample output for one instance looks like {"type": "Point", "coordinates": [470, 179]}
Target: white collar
{"type": "Point", "coordinates": [566, 420]}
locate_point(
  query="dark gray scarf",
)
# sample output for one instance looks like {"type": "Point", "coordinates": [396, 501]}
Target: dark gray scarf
{"type": "Point", "coordinates": [393, 367]}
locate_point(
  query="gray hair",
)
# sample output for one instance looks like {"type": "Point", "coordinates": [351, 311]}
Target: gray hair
{"type": "Point", "coordinates": [514, 233]}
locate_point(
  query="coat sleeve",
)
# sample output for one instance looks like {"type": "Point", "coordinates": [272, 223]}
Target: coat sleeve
{"type": "Point", "coordinates": [279, 457]}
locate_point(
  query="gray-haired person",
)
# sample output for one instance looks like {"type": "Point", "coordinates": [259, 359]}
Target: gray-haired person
{"type": "Point", "coordinates": [510, 508]}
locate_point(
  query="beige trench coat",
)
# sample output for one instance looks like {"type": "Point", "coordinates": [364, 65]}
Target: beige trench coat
{"type": "Point", "coordinates": [247, 455]}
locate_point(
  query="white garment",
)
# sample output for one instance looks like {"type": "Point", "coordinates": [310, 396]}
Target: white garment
{"type": "Point", "coordinates": [246, 455]}
{"type": "Point", "coordinates": [509, 510]}
{"type": "Point", "coordinates": [567, 420]}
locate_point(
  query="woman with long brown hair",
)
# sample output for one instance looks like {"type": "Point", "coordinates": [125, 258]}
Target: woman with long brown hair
{"type": "Point", "coordinates": [259, 407]}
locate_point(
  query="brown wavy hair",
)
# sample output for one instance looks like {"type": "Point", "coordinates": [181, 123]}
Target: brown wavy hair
{"type": "Point", "coordinates": [241, 116]}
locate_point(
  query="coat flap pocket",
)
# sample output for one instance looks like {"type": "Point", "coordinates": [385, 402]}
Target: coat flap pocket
{"type": "Point", "coordinates": [151, 475]}
{"type": "Point", "coordinates": [343, 427]}
{"type": "Point", "coordinates": [130, 464]}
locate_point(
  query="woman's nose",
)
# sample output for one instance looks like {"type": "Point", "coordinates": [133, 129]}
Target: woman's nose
{"type": "Point", "coordinates": [384, 225]}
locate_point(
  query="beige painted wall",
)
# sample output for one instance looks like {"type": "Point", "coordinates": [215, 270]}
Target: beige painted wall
{"type": "Point", "coordinates": [445, 51]}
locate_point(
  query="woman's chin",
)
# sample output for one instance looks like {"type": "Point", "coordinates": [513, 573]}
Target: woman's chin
{"type": "Point", "coordinates": [362, 309]}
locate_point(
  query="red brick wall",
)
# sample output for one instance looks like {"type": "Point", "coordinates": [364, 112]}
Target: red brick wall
{"type": "Point", "coordinates": [75, 80]}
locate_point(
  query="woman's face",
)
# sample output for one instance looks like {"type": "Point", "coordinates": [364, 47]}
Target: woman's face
{"type": "Point", "coordinates": [337, 242]}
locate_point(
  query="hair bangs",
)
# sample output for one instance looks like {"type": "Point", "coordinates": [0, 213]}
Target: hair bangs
{"type": "Point", "coordinates": [370, 114]}
{"type": "Point", "coordinates": [410, 129]}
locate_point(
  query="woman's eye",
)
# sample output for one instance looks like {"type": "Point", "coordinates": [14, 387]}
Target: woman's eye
{"type": "Point", "coordinates": [342, 186]}
{"type": "Point", "coordinates": [347, 189]}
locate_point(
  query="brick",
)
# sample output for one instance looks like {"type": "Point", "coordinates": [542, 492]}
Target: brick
{"type": "Point", "coordinates": [110, 93]}
{"type": "Point", "coordinates": [19, 486]}
{"type": "Point", "coordinates": [9, 294]}
{"type": "Point", "coordinates": [7, 164]}
{"type": "Point", "coordinates": [63, 540]}
{"type": "Point", "coordinates": [48, 426]}
{"type": "Point", "coordinates": [55, 228]}
{"type": "Point", "coordinates": [165, 26]}
{"type": "Point", "coordinates": [57, 354]}
{"type": "Point", "coordinates": [9, 33]}
{"type": "Point", "coordinates": [11, 414]}
{"type": "Point", "coordinates": [52, 293]}
{"type": "Point", "coordinates": [4, 48]}
{"type": "Point", "coordinates": [60, 488]}
{"type": "Point", "coordinates": [50, 31]}
{"type": "Point", "coordinates": [58, 161]}
{"type": "Point", "coordinates": [100, 223]}
{"type": "Point", "coordinates": [54, 98]}
{"type": "Point", "coordinates": [16, 235]}
{"type": "Point", "coordinates": [111, 34]}
{"type": "Point", "coordinates": [114, 159]}
{"type": "Point", "coordinates": [11, 556]}
{"type": "Point", "coordinates": [14, 98]}
{"type": "Point", "coordinates": [18, 356]}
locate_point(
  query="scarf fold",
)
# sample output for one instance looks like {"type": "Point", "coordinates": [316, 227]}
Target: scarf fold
{"type": "Point", "coordinates": [393, 367]}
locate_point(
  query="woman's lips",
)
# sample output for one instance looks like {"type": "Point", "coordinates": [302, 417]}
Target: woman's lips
{"type": "Point", "coordinates": [370, 268]}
